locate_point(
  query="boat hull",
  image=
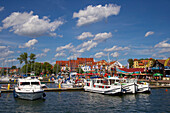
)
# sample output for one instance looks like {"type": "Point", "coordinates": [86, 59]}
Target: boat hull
{"type": "Point", "coordinates": [30, 96]}
{"type": "Point", "coordinates": [142, 88]}
{"type": "Point", "coordinates": [109, 91]}
{"type": "Point", "coordinates": [129, 88]}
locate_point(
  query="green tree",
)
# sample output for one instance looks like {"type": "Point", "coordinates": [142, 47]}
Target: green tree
{"type": "Point", "coordinates": [14, 67]}
{"type": "Point", "coordinates": [130, 61]}
{"type": "Point", "coordinates": [79, 70]}
{"type": "Point", "coordinates": [32, 58]}
{"type": "Point", "coordinates": [47, 68]}
{"type": "Point", "coordinates": [56, 68]}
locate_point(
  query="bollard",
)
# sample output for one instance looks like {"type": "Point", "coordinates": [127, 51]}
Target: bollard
{"type": "Point", "coordinates": [8, 86]}
{"type": "Point", "coordinates": [59, 86]}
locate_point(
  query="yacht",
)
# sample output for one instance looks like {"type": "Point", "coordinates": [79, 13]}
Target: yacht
{"type": "Point", "coordinates": [142, 87]}
{"type": "Point", "coordinates": [128, 85]}
{"type": "Point", "coordinates": [103, 86]}
{"type": "Point", "coordinates": [29, 89]}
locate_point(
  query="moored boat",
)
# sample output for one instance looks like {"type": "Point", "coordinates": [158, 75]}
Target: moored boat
{"type": "Point", "coordinates": [103, 86]}
{"type": "Point", "coordinates": [29, 89]}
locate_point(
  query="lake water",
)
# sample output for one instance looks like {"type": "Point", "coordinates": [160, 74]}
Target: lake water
{"type": "Point", "coordinates": [82, 102]}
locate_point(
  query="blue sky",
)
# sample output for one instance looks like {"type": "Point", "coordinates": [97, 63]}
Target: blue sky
{"type": "Point", "coordinates": [67, 29]}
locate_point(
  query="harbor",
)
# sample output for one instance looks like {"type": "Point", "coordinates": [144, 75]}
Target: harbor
{"type": "Point", "coordinates": [84, 56]}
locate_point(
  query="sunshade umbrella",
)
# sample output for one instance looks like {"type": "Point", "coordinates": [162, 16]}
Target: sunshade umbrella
{"type": "Point", "coordinates": [158, 74]}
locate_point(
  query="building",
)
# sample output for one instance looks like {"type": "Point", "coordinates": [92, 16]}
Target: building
{"type": "Point", "coordinates": [162, 66]}
{"type": "Point", "coordinates": [116, 64]}
{"type": "Point", "coordinates": [143, 63]}
{"type": "Point", "coordinates": [87, 64]}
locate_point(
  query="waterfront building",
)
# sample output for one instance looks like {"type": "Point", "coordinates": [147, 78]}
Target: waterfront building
{"type": "Point", "coordinates": [143, 63]}
{"type": "Point", "coordinates": [162, 67]}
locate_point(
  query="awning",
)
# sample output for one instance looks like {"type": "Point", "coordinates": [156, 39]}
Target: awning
{"type": "Point", "coordinates": [158, 74]}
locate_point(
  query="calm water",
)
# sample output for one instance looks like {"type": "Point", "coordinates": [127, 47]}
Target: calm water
{"type": "Point", "coordinates": [80, 101]}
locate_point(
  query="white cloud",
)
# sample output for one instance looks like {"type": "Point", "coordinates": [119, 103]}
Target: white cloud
{"type": "Point", "coordinates": [12, 60]}
{"type": "Point", "coordinates": [46, 50]}
{"type": "Point", "coordinates": [99, 55]}
{"type": "Point", "coordinates": [163, 44]}
{"type": "Point", "coordinates": [159, 56]}
{"type": "Point", "coordinates": [6, 53]}
{"type": "Point", "coordinates": [164, 50]}
{"type": "Point", "coordinates": [115, 54]}
{"type": "Point", "coordinates": [74, 56]}
{"type": "Point", "coordinates": [1, 8]}
{"type": "Point", "coordinates": [84, 35]}
{"type": "Point", "coordinates": [86, 46]}
{"type": "Point", "coordinates": [102, 36]}
{"type": "Point", "coordinates": [3, 47]}
{"type": "Point", "coordinates": [115, 48]}
{"type": "Point", "coordinates": [41, 55]}
{"type": "Point", "coordinates": [29, 43]}
{"type": "Point", "coordinates": [2, 58]}
{"type": "Point", "coordinates": [93, 14]}
{"type": "Point", "coordinates": [149, 33]}
{"type": "Point", "coordinates": [27, 24]}
{"type": "Point", "coordinates": [68, 46]}
{"type": "Point", "coordinates": [60, 55]}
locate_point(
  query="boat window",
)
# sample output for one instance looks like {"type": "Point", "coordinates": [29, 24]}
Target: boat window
{"type": "Point", "coordinates": [117, 80]}
{"type": "Point", "coordinates": [24, 83]}
{"type": "Point", "coordinates": [112, 82]}
{"type": "Point", "coordinates": [34, 83]}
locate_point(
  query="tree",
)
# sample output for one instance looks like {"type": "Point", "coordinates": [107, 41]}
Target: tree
{"type": "Point", "coordinates": [13, 67]}
{"type": "Point", "coordinates": [47, 68]}
{"type": "Point", "coordinates": [130, 61]}
{"type": "Point", "coordinates": [79, 70]}
{"type": "Point", "coordinates": [57, 68]}
{"type": "Point", "coordinates": [24, 57]}
{"type": "Point", "coordinates": [32, 58]}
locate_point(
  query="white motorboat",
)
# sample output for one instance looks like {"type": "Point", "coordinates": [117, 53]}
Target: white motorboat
{"type": "Point", "coordinates": [67, 84]}
{"type": "Point", "coordinates": [103, 86]}
{"type": "Point", "coordinates": [142, 87]}
{"type": "Point", "coordinates": [4, 79]}
{"type": "Point", "coordinates": [128, 85]}
{"type": "Point", "coordinates": [29, 89]}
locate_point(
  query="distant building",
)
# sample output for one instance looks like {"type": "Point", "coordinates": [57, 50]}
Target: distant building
{"type": "Point", "coordinates": [87, 64]}
{"type": "Point", "coordinates": [143, 63]}
{"type": "Point", "coordinates": [162, 66]}
{"type": "Point", "coordinates": [114, 64]}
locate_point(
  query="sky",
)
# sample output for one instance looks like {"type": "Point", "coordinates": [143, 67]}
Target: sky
{"type": "Point", "coordinates": [66, 29]}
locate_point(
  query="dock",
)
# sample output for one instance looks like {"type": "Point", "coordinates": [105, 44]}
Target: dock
{"type": "Point", "coordinates": [69, 89]}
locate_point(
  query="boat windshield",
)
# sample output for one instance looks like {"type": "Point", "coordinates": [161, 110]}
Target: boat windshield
{"type": "Point", "coordinates": [24, 83]}
{"type": "Point", "coordinates": [35, 83]}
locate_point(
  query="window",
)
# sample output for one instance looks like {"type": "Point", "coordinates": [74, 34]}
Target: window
{"type": "Point", "coordinates": [34, 83]}
{"type": "Point", "coordinates": [24, 83]}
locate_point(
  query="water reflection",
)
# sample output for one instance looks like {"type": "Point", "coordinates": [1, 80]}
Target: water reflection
{"type": "Point", "coordinates": [81, 101]}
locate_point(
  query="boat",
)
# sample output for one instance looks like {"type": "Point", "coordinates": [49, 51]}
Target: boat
{"type": "Point", "coordinates": [4, 79]}
{"type": "Point", "coordinates": [128, 85]}
{"type": "Point", "coordinates": [104, 86]}
{"type": "Point", "coordinates": [29, 89]}
{"type": "Point", "coordinates": [67, 84]}
{"type": "Point", "coordinates": [142, 87]}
